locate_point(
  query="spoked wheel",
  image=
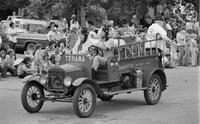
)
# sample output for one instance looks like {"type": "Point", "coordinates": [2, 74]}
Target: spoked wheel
{"type": "Point", "coordinates": [154, 90]}
{"type": "Point", "coordinates": [31, 93]}
{"type": "Point", "coordinates": [84, 101]}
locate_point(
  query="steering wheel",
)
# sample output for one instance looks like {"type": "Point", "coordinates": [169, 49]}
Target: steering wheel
{"type": "Point", "coordinates": [97, 50]}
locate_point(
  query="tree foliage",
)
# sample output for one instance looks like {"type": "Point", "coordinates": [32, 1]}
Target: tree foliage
{"type": "Point", "coordinates": [55, 9]}
{"type": "Point", "coordinates": [13, 4]}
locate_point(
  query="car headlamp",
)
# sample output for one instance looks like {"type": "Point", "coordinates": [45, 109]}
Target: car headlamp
{"type": "Point", "coordinates": [43, 80]}
{"type": "Point", "coordinates": [68, 81]}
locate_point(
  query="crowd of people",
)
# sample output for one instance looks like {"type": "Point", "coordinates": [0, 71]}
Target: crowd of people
{"type": "Point", "coordinates": [179, 45]}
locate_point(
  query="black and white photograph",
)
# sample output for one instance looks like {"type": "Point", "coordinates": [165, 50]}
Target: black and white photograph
{"type": "Point", "coordinates": [99, 61]}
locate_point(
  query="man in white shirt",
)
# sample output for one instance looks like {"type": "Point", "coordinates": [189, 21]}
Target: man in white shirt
{"type": "Point", "coordinates": [106, 46]}
{"type": "Point", "coordinates": [156, 31]}
{"type": "Point", "coordinates": [12, 33]}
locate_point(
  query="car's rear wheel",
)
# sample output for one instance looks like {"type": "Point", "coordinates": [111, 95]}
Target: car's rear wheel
{"type": "Point", "coordinates": [30, 47]}
{"type": "Point", "coordinates": [153, 92]}
{"type": "Point", "coordinates": [84, 101]}
{"type": "Point", "coordinates": [30, 97]}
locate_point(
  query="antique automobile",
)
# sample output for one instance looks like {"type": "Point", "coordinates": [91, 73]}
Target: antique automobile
{"type": "Point", "coordinates": [132, 68]}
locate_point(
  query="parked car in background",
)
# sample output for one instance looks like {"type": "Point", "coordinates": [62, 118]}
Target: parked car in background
{"type": "Point", "coordinates": [28, 41]}
{"type": "Point", "coordinates": [31, 32]}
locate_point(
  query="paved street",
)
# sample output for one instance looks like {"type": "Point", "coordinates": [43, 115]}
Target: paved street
{"type": "Point", "coordinates": [179, 105]}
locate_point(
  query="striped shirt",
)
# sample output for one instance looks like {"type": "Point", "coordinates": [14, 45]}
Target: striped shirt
{"type": "Point", "coordinates": [71, 40]}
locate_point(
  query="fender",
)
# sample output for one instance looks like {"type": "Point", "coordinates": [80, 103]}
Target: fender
{"type": "Point", "coordinates": [150, 71]}
{"type": "Point", "coordinates": [82, 80]}
{"type": "Point", "coordinates": [30, 78]}
{"type": "Point", "coordinates": [29, 41]}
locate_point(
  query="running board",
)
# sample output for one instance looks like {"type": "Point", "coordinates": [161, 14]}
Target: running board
{"type": "Point", "coordinates": [124, 91]}
{"type": "Point", "coordinates": [56, 99]}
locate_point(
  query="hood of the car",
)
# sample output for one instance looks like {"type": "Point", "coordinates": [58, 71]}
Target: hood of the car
{"type": "Point", "coordinates": [73, 70]}
{"type": "Point", "coordinates": [71, 67]}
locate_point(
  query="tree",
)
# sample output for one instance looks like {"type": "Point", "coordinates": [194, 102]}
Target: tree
{"type": "Point", "coordinates": [9, 6]}
{"type": "Point", "coordinates": [61, 8]}
{"type": "Point", "coordinates": [13, 4]}
{"type": "Point", "coordinates": [194, 2]}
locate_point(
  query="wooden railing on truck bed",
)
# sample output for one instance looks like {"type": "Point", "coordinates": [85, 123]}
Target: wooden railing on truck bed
{"type": "Point", "coordinates": [136, 49]}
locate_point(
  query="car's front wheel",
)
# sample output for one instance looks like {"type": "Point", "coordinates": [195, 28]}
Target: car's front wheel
{"type": "Point", "coordinates": [84, 101]}
{"type": "Point", "coordinates": [30, 97]}
{"type": "Point", "coordinates": [153, 92]}
{"type": "Point", "coordinates": [30, 47]}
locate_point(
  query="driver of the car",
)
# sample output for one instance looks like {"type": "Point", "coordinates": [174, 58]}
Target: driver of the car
{"type": "Point", "coordinates": [107, 45]}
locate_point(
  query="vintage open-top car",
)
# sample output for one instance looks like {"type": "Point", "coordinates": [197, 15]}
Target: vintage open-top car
{"type": "Point", "coordinates": [132, 68]}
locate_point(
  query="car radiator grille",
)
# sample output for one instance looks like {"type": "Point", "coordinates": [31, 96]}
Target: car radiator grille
{"type": "Point", "coordinates": [56, 80]}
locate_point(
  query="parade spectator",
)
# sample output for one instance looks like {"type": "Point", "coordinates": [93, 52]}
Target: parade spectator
{"type": "Point", "coordinates": [180, 38]}
{"type": "Point", "coordinates": [24, 69]}
{"type": "Point", "coordinates": [169, 29]}
{"type": "Point", "coordinates": [54, 35]}
{"type": "Point", "coordinates": [187, 55]}
{"type": "Point", "coordinates": [111, 29]}
{"type": "Point", "coordinates": [52, 25]}
{"type": "Point", "coordinates": [156, 31]}
{"type": "Point", "coordinates": [63, 49]}
{"type": "Point", "coordinates": [63, 25]}
{"type": "Point", "coordinates": [158, 37]}
{"type": "Point", "coordinates": [146, 21]}
{"type": "Point", "coordinates": [125, 30]}
{"type": "Point", "coordinates": [91, 39]}
{"type": "Point", "coordinates": [191, 27]}
{"type": "Point", "coordinates": [135, 21]}
{"type": "Point", "coordinates": [109, 26]}
{"type": "Point", "coordinates": [72, 39]}
{"type": "Point", "coordinates": [9, 62]}
{"type": "Point", "coordinates": [50, 50]}
{"type": "Point", "coordinates": [51, 34]}
{"type": "Point", "coordinates": [193, 49]}
{"type": "Point", "coordinates": [38, 59]}
{"type": "Point", "coordinates": [74, 22]}
{"type": "Point", "coordinates": [58, 55]}
{"type": "Point", "coordinates": [12, 33]}
{"type": "Point", "coordinates": [2, 63]}
{"type": "Point", "coordinates": [173, 54]}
